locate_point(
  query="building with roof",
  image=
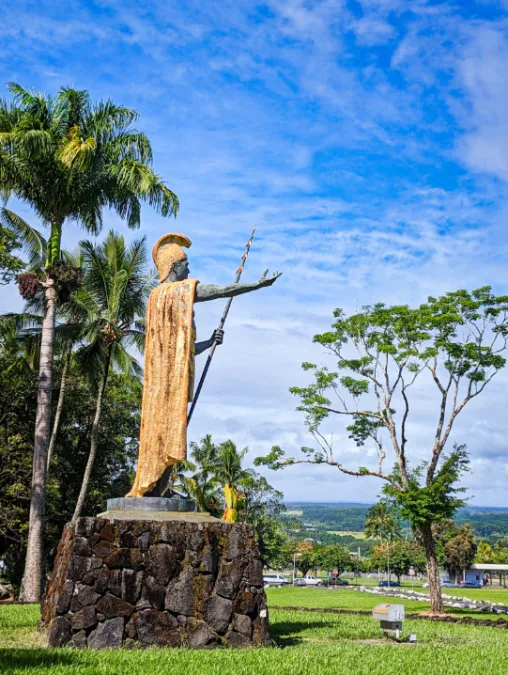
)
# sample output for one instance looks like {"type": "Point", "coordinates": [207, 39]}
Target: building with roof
{"type": "Point", "coordinates": [489, 573]}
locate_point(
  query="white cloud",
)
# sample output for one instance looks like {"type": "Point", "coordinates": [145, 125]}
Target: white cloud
{"type": "Point", "coordinates": [288, 117]}
{"type": "Point", "coordinates": [483, 75]}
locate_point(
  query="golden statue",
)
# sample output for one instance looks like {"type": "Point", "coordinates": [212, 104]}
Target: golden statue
{"type": "Point", "coordinates": [169, 359]}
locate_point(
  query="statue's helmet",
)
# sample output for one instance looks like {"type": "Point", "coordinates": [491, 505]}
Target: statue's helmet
{"type": "Point", "coordinates": [167, 251]}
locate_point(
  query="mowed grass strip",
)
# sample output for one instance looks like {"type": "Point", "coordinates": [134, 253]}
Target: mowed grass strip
{"type": "Point", "coordinates": [307, 643]}
{"type": "Point", "coordinates": [326, 598]}
{"type": "Point", "coordinates": [339, 598]}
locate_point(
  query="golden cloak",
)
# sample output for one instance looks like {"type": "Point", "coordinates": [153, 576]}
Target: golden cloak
{"type": "Point", "coordinates": [168, 382]}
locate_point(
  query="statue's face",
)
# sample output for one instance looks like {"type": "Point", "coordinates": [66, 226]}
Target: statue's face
{"type": "Point", "coordinates": [181, 270]}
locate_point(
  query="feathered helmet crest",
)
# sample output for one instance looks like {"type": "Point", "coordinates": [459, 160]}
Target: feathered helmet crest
{"type": "Point", "coordinates": [167, 251]}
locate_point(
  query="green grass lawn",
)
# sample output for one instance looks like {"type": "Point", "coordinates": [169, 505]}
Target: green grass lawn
{"type": "Point", "coordinates": [325, 598]}
{"type": "Point", "coordinates": [306, 643]}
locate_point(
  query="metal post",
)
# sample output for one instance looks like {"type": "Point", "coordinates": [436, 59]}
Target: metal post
{"type": "Point", "coordinates": [221, 326]}
{"type": "Point", "coordinates": [388, 559]}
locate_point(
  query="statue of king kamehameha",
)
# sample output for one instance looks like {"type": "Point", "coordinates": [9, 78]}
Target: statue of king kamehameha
{"type": "Point", "coordinates": [169, 359]}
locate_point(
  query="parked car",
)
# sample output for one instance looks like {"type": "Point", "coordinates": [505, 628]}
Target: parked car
{"type": "Point", "coordinates": [308, 581]}
{"type": "Point", "coordinates": [274, 580]}
{"type": "Point", "coordinates": [337, 581]}
{"type": "Point", "coordinates": [394, 584]}
{"type": "Point", "coordinates": [470, 584]}
{"type": "Point", "coordinates": [445, 583]}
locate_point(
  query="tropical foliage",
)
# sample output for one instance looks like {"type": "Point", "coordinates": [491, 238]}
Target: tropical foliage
{"type": "Point", "coordinates": [68, 159]}
{"type": "Point", "coordinates": [116, 452]}
{"type": "Point", "coordinates": [458, 342]}
{"type": "Point", "coordinates": [219, 483]}
{"type": "Point", "coordinates": [110, 307]}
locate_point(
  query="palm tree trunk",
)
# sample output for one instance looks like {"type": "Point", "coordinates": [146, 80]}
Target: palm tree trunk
{"type": "Point", "coordinates": [93, 442]}
{"type": "Point", "coordinates": [61, 398]}
{"type": "Point", "coordinates": [32, 577]}
{"type": "Point", "coordinates": [436, 600]}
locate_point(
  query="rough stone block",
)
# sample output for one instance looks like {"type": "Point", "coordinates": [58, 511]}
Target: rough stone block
{"type": "Point", "coordinates": [79, 639]}
{"type": "Point", "coordinates": [78, 567]}
{"type": "Point", "coordinates": [131, 585]}
{"type": "Point", "coordinates": [219, 613]}
{"type": "Point", "coordinates": [237, 640]}
{"type": "Point", "coordinates": [111, 606]}
{"type": "Point", "coordinates": [65, 597]}
{"type": "Point", "coordinates": [102, 580]}
{"type": "Point", "coordinates": [161, 562]}
{"type": "Point", "coordinates": [157, 628]}
{"type": "Point", "coordinates": [85, 618]}
{"type": "Point", "coordinates": [180, 595]}
{"type": "Point", "coordinates": [115, 582]}
{"type": "Point", "coordinates": [242, 624]}
{"type": "Point", "coordinates": [149, 583]}
{"type": "Point", "coordinates": [203, 636]}
{"type": "Point", "coordinates": [83, 596]}
{"type": "Point", "coordinates": [152, 595]}
{"type": "Point", "coordinates": [107, 634]}
{"type": "Point", "coordinates": [60, 631]}
{"type": "Point", "coordinates": [229, 579]}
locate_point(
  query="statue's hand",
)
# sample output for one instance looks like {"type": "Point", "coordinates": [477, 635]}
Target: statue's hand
{"type": "Point", "coordinates": [218, 336]}
{"type": "Point", "coordinates": [264, 281]}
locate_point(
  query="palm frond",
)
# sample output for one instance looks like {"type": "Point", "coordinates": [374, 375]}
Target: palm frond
{"type": "Point", "coordinates": [32, 240]}
{"type": "Point", "coordinates": [76, 151]}
{"type": "Point", "coordinates": [33, 101]}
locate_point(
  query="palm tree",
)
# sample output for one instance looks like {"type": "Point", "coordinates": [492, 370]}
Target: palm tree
{"type": "Point", "coordinates": [206, 493]}
{"type": "Point", "coordinates": [177, 475]}
{"type": "Point", "coordinates": [68, 159]}
{"type": "Point", "coordinates": [230, 473]}
{"type": "Point", "coordinates": [20, 335]}
{"type": "Point", "coordinates": [110, 303]}
{"type": "Point", "coordinates": [380, 524]}
{"type": "Point", "coordinates": [202, 486]}
{"type": "Point", "coordinates": [29, 322]}
{"type": "Point", "coordinates": [204, 454]}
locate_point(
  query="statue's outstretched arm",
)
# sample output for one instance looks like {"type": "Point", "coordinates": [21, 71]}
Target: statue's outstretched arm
{"type": "Point", "coordinates": [205, 292]}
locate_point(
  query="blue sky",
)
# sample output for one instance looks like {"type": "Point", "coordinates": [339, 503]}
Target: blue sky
{"type": "Point", "coordinates": [369, 142]}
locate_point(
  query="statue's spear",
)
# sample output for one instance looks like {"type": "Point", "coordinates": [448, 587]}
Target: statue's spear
{"type": "Point", "coordinates": [221, 326]}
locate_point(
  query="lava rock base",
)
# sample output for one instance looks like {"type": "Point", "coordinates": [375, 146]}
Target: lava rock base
{"type": "Point", "coordinates": [142, 583]}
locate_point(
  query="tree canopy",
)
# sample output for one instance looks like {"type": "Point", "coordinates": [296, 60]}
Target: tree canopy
{"type": "Point", "coordinates": [457, 343]}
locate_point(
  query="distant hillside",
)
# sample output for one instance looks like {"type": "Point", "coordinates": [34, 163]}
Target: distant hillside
{"type": "Point", "coordinates": [488, 522]}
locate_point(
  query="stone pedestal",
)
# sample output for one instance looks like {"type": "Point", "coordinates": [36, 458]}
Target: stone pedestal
{"type": "Point", "coordinates": [170, 582]}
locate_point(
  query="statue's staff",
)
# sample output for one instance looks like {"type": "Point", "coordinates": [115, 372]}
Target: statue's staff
{"type": "Point", "coordinates": [221, 326]}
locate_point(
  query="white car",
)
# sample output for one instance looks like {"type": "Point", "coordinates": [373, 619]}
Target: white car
{"type": "Point", "coordinates": [312, 581]}
{"type": "Point", "coordinates": [274, 580]}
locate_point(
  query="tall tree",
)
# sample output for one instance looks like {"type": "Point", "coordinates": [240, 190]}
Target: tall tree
{"type": "Point", "coordinates": [457, 342]}
{"type": "Point", "coordinates": [402, 556]}
{"type": "Point", "coordinates": [381, 524]}
{"type": "Point", "coordinates": [116, 453]}
{"type": "Point", "coordinates": [109, 305]}
{"type": "Point", "coordinates": [261, 506]}
{"type": "Point", "coordinates": [460, 551]}
{"type": "Point", "coordinates": [69, 159]}
{"type": "Point", "coordinates": [484, 553]}
{"type": "Point", "coordinates": [202, 486]}
{"type": "Point", "coordinates": [334, 557]}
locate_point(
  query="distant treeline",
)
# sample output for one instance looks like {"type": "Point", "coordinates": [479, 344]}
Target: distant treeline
{"type": "Point", "coordinates": [340, 517]}
{"type": "Point", "coordinates": [490, 523]}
